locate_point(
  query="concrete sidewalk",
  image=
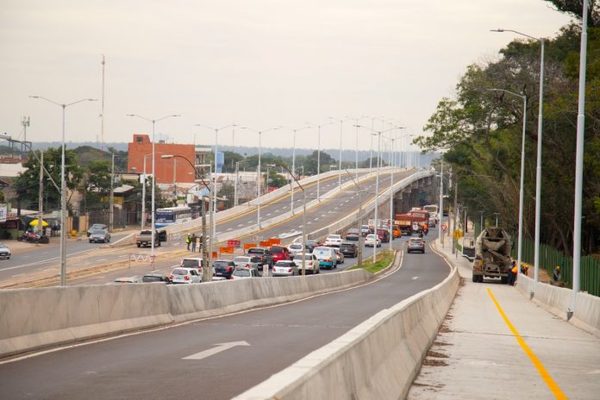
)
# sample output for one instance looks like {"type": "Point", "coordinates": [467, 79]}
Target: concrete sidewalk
{"type": "Point", "coordinates": [496, 344]}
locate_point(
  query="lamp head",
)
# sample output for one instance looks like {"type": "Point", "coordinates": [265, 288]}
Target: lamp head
{"type": "Point", "coordinates": [497, 30]}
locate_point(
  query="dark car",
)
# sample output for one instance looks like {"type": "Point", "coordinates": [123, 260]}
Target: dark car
{"type": "Point", "coordinates": [310, 245]}
{"type": "Point", "coordinates": [155, 278]}
{"type": "Point", "coordinates": [99, 236]}
{"type": "Point", "coordinates": [280, 253]}
{"type": "Point", "coordinates": [262, 255]}
{"type": "Point", "coordinates": [96, 227]}
{"type": "Point", "coordinates": [349, 249]}
{"type": "Point", "coordinates": [352, 237]}
{"type": "Point", "coordinates": [224, 268]}
{"type": "Point", "coordinates": [384, 235]}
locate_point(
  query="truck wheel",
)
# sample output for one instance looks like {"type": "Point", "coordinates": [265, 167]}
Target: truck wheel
{"type": "Point", "coordinates": [476, 278]}
{"type": "Point", "coordinates": [504, 279]}
{"type": "Point", "coordinates": [139, 244]}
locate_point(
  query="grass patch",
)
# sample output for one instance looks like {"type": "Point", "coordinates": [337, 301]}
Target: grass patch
{"type": "Point", "coordinates": [384, 258]}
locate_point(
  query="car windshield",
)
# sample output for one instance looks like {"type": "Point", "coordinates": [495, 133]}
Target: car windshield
{"type": "Point", "coordinates": [245, 273]}
{"type": "Point", "coordinates": [322, 251]}
{"type": "Point", "coordinates": [179, 271]}
{"type": "Point", "coordinates": [283, 263]}
{"type": "Point", "coordinates": [256, 251]}
{"type": "Point", "coordinates": [217, 264]}
{"type": "Point", "coordinates": [190, 263]}
{"type": "Point", "coordinates": [296, 246]}
{"type": "Point", "coordinates": [277, 249]}
{"type": "Point", "coordinates": [241, 259]}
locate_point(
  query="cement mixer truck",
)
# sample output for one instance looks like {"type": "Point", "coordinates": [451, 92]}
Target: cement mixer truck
{"type": "Point", "coordinates": [492, 255]}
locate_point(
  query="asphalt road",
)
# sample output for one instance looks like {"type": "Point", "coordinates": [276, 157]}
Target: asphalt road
{"type": "Point", "coordinates": [152, 366]}
{"type": "Point", "coordinates": [326, 213]}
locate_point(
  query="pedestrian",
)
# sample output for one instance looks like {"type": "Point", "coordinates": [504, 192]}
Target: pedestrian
{"type": "Point", "coordinates": [512, 274]}
{"type": "Point", "coordinates": [193, 239]}
{"type": "Point", "coordinates": [198, 243]}
{"type": "Point", "coordinates": [188, 240]}
{"type": "Point", "coordinates": [556, 275]}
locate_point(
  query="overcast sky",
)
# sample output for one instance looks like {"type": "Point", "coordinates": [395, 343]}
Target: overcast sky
{"type": "Point", "coordinates": [258, 63]}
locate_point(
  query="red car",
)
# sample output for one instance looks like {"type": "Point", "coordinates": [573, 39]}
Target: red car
{"type": "Point", "coordinates": [280, 253]}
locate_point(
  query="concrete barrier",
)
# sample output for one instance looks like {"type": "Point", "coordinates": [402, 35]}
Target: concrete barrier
{"type": "Point", "coordinates": [557, 300]}
{"type": "Point", "coordinates": [37, 318]}
{"type": "Point", "coordinates": [376, 360]}
{"type": "Point", "coordinates": [217, 298]}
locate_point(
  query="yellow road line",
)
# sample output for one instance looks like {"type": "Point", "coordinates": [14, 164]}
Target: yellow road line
{"type": "Point", "coordinates": [554, 388]}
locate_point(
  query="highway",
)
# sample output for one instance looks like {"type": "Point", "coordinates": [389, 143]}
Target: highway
{"type": "Point", "coordinates": [84, 255]}
{"type": "Point", "coordinates": [153, 365]}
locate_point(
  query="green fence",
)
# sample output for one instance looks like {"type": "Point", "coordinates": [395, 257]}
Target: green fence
{"type": "Point", "coordinates": [550, 257]}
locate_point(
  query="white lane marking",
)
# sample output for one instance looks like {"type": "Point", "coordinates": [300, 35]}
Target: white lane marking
{"type": "Point", "coordinates": [269, 214]}
{"type": "Point", "coordinates": [414, 278]}
{"type": "Point", "coordinates": [316, 219]}
{"type": "Point", "coordinates": [220, 347]}
{"type": "Point", "coordinates": [240, 225]}
{"type": "Point", "coordinates": [229, 229]}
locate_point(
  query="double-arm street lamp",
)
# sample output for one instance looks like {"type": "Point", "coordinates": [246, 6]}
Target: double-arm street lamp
{"type": "Point", "coordinates": [63, 190]}
{"type": "Point", "coordinates": [378, 134]}
{"type": "Point", "coordinates": [153, 121]}
{"type": "Point", "coordinates": [521, 189]}
{"type": "Point", "coordinates": [538, 174]}
{"type": "Point", "coordinates": [213, 219]}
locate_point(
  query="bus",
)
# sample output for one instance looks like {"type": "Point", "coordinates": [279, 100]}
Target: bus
{"type": "Point", "coordinates": [172, 215]}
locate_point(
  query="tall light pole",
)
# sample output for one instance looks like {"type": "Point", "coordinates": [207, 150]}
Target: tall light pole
{"type": "Point", "coordinates": [258, 187]}
{"type": "Point", "coordinates": [213, 219]}
{"type": "Point", "coordinates": [378, 134]}
{"type": "Point", "coordinates": [391, 224]}
{"type": "Point", "coordinates": [63, 190]}
{"type": "Point", "coordinates": [340, 155]}
{"type": "Point", "coordinates": [319, 158]}
{"type": "Point", "coordinates": [144, 192]}
{"type": "Point", "coordinates": [538, 170]}
{"type": "Point", "coordinates": [522, 179]}
{"type": "Point", "coordinates": [206, 271]}
{"type": "Point", "coordinates": [579, 158]}
{"type": "Point", "coordinates": [153, 227]}
{"type": "Point", "coordinates": [293, 171]}
{"type": "Point", "coordinates": [441, 202]}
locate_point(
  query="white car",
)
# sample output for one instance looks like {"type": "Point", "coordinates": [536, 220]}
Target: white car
{"type": "Point", "coordinates": [285, 268]}
{"type": "Point", "coordinates": [372, 240]}
{"type": "Point", "coordinates": [311, 264]}
{"type": "Point", "coordinates": [295, 248]}
{"type": "Point", "coordinates": [245, 273]}
{"type": "Point", "coordinates": [4, 251]}
{"type": "Point", "coordinates": [333, 240]}
{"type": "Point", "coordinates": [185, 275]}
{"type": "Point", "coordinates": [245, 262]}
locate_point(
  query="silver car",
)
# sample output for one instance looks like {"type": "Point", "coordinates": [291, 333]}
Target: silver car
{"type": "Point", "coordinates": [4, 251]}
{"type": "Point", "coordinates": [99, 236]}
{"type": "Point", "coordinates": [185, 275]}
{"type": "Point", "coordinates": [285, 268]}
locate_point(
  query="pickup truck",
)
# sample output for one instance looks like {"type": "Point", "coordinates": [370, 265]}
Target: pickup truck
{"type": "Point", "coordinates": [144, 238]}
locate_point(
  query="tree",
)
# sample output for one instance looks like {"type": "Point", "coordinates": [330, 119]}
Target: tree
{"type": "Point", "coordinates": [575, 8]}
{"type": "Point", "coordinates": [96, 184]}
{"type": "Point", "coordinates": [27, 183]}
{"type": "Point", "coordinates": [481, 133]}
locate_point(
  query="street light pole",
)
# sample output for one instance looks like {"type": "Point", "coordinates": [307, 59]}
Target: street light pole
{"type": "Point", "coordinates": [441, 202]}
{"type": "Point", "coordinates": [63, 190]}
{"type": "Point", "coordinates": [579, 154]}
{"type": "Point", "coordinates": [538, 170]}
{"type": "Point", "coordinates": [377, 193]}
{"type": "Point", "coordinates": [391, 224]}
{"type": "Point", "coordinates": [153, 205]}
{"type": "Point", "coordinates": [340, 160]}
{"type": "Point", "coordinates": [522, 178]}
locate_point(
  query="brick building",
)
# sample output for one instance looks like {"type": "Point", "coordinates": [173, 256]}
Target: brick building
{"type": "Point", "coordinates": [167, 170]}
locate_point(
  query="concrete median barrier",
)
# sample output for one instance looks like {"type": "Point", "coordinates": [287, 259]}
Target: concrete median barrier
{"type": "Point", "coordinates": [36, 318]}
{"type": "Point", "coordinates": [376, 360]}
{"type": "Point", "coordinates": [217, 298]}
{"type": "Point", "coordinates": [557, 300]}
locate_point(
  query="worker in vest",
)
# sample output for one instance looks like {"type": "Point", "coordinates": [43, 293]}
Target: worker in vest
{"type": "Point", "coordinates": [188, 240]}
{"type": "Point", "coordinates": [512, 274]}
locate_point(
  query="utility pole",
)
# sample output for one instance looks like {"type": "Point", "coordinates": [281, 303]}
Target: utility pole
{"type": "Point", "coordinates": [112, 195]}
{"type": "Point", "coordinates": [25, 123]}
{"type": "Point", "coordinates": [235, 186]}
{"type": "Point", "coordinates": [41, 194]}
{"type": "Point", "coordinates": [455, 211]}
